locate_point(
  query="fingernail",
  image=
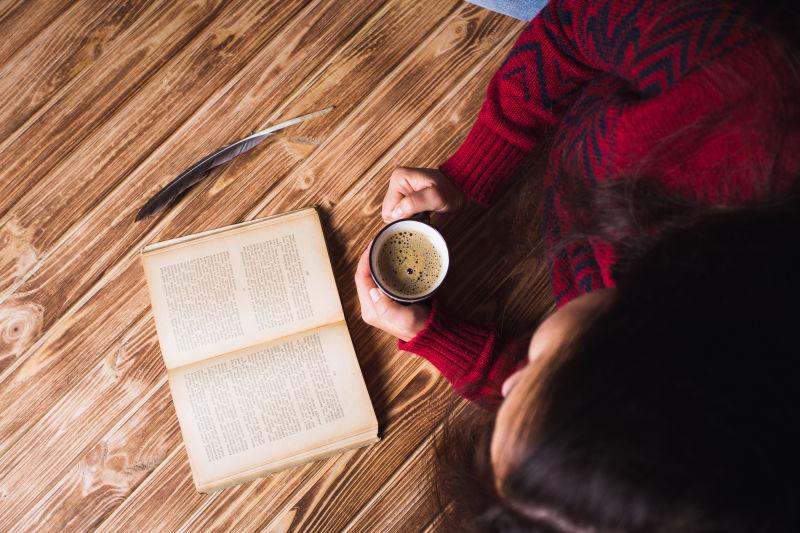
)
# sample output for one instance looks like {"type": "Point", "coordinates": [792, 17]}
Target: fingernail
{"type": "Point", "coordinates": [397, 213]}
{"type": "Point", "coordinates": [375, 295]}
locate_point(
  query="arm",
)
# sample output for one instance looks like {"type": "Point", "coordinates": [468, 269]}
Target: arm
{"type": "Point", "coordinates": [475, 360]}
{"type": "Point", "coordinates": [540, 77]}
{"type": "Point", "coordinates": [647, 43]}
{"type": "Point", "coordinates": [650, 44]}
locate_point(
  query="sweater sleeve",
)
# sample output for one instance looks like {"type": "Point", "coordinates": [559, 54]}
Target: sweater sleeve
{"type": "Point", "coordinates": [650, 44]}
{"type": "Point", "coordinates": [475, 360]}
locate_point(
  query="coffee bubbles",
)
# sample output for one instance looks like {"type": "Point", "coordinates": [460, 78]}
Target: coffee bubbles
{"type": "Point", "coordinates": [409, 263]}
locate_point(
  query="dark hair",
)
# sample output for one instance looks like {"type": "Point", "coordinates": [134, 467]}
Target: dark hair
{"type": "Point", "coordinates": [694, 432]}
{"type": "Point", "coordinates": [674, 410]}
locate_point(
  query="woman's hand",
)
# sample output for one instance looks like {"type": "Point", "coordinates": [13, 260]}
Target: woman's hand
{"type": "Point", "coordinates": [377, 309]}
{"type": "Point", "coordinates": [414, 190]}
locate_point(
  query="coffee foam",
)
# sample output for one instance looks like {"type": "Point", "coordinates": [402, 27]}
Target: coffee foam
{"type": "Point", "coordinates": [409, 264]}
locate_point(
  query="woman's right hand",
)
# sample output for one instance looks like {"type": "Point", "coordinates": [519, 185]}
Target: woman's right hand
{"type": "Point", "coordinates": [414, 190]}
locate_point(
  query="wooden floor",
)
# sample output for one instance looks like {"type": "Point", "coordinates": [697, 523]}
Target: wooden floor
{"type": "Point", "coordinates": [101, 103]}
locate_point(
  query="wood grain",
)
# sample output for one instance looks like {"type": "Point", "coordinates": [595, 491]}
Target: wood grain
{"type": "Point", "coordinates": [399, 505]}
{"type": "Point", "coordinates": [22, 20]}
{"type": "Point", "coordinates": [133, 302]}
{"type": "Point", "coordinates": [368, 369]}
{"type": "Point", "coordinates": [338, 502]}
{"type": "Point", "coordinates": [56, 375]}
{"type": "Point", "coordinates": [116, 99]}
{"type": "Point", "coordinates": [108, 471]}
{"type": "Point", "coordinates": [111, 148]}
{"type": "Point", "coordinates": [466, 15]}
{"type": "Point", "coordinates": [67, 109]}
{"type": "Point", "coordinates": [54, 56]}
{"type": "Point", "coordinates": [127, 287]}
{"type": "Point", "coordinates": [130, 288]}
{"type": "Point", "coordinates": [142, 124]}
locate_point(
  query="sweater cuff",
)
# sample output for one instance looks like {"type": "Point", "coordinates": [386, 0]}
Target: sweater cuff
{"type": "Point", "coordinates": [483, 163]}
{"type": "Point", "coordinates": [455, 348]}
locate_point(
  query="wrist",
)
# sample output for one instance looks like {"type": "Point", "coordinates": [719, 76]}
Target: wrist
{"type": "Point", "coordinates": [482, 164]}
{"type": "Point", "coordinates": [418, 320]}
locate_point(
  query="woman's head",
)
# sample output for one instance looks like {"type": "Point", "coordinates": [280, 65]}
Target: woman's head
{"type": "Point", "coordinates": [667, 404]}
{"type": "Point", "coordinates": [516, 418]}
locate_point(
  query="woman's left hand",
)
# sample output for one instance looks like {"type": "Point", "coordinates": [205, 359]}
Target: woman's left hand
{"type": "Point", "coordinates": [380, 311]}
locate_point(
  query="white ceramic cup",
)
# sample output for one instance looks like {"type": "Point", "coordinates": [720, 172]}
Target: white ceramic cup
{"type": "Point", "coordinates": [417, 225]}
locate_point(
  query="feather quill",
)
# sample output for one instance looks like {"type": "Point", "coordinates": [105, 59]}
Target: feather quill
{"type": "Point", "coordinates": [198, 171]}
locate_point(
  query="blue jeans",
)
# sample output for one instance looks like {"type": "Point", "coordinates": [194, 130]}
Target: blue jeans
{"type": "Point", "coordinates": [519, 9]}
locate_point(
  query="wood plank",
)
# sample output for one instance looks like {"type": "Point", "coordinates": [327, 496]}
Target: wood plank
{"type": "Point", "coordinates": [112, 234]}
{"type": "Point", "coordinates": [17, 315]}
{"type": "Point", "coordinates": [268, 80]}
{"type": "Point", "coordinates": [175, 474]}
{"type": "Point", "coordinates": [22, 20]}
{"type": "Point", "coordinates": [406, 502]}
{"type": "Point", "coordinates": [25, 238]}
{"type": "Point", "coordinates": [262, 493]}
{"type": "Point", "coordinates": [78, 397]}
{"type": "Point", "coordinates": [61, 123]}
{"type": "Point", "coordinates": [538, 303]}
{"type": "Point", "coordinates": [89, 340]}
{"type": "Point", "coordinates": [117, 379]}
{"type": "Point", "coordinates": [61, 52]}
{"type": "Point", "coordinates": [158, 520]}
{"type": "Point", "coordinates": [407, 410]}
{"type": "Point", "coordinates": [63, 192]}
{"type": "Point", "coordinates": [110, 470]}
{"type": "Point", "coordinates": [344, 499]}
{"type": "Point", "coordinates": [386, 389]}
{"type": "Point", "coordinates": [346, 292]}
{"type": "Point", "coordinates": [79, 105]}
{"type": "Point", "coordinates": [106, 450]}
{"type": "Point", "coordinates": [453, 51]}
{"type": "Point", "coordinates": [7, 7]}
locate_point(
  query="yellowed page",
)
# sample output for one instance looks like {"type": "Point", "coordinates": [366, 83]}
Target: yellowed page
{"type": "Point", "coordinates": [349, 443]}
{"type": "Point", "coordinates": [243, 411]}
{"type": "Point", "coordinates": [223, 290]}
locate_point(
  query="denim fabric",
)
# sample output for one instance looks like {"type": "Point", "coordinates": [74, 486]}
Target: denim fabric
{"type": "Point", "coordinates": [519, 9]}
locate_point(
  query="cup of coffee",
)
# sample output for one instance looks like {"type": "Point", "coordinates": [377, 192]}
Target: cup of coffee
{"type": "Point", "coordinates": [408, 260]}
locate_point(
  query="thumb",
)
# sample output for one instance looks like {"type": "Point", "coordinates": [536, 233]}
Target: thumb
{"type": "Point", "coordinates": [427, 199]}
{"type": "Point", "coordinates": [384, 307]}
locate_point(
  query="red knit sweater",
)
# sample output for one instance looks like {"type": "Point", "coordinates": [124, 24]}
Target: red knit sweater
{"type": "Point", "coordinates": [616, 82]}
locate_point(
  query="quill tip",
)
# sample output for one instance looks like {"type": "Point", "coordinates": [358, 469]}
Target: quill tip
{"type": "Point", "coordinates": [144, 212]}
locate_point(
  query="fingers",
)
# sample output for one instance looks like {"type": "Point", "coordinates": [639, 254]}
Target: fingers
{"type": "Point", "coordinates": [362, 270]}
{"type": "Point", "coordinates": [428, 199]}
{"type": "Point", "coordinates": [382, 312]}
{"type": "Point", "coordinates": [393, 197]}
{"type": "Point", "coordinates": [402, 182]}
{"type": "Point", "coordinates": [363, 285]}
{"type": "Point", "coordinates": [374, 304]}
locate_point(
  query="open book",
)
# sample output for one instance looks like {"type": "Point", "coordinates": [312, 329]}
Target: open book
{"type": "Point", "coordinates": [260, 362]}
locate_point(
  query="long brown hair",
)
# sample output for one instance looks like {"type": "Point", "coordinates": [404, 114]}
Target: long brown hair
{"type": "Point", "coordinates": [692, 432]}
{"type": "Point", "coordinates": [689, 433]}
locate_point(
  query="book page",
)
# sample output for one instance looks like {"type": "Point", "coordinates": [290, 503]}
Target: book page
{"type": "Point", "coordinates": [349, 443]}
{"type": "Point", "coordinates": [261, 405]}
{"type": "Point", "coordinates": [221, 291]}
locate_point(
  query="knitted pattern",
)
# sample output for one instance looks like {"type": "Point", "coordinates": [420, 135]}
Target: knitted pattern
{"type": "Point", "coordinates": [612, 83]}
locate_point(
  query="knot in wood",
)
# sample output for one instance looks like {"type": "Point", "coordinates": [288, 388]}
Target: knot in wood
{"type": "Point", "coordinates": [19, 326]}
{"type": "Point", "coordinates": [306, 182]}
{"type": "Point", "coordinates": [17, 255]}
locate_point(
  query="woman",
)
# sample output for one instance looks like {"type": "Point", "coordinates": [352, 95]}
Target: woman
{"type": "Point", "coordinates": [673, 131]}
